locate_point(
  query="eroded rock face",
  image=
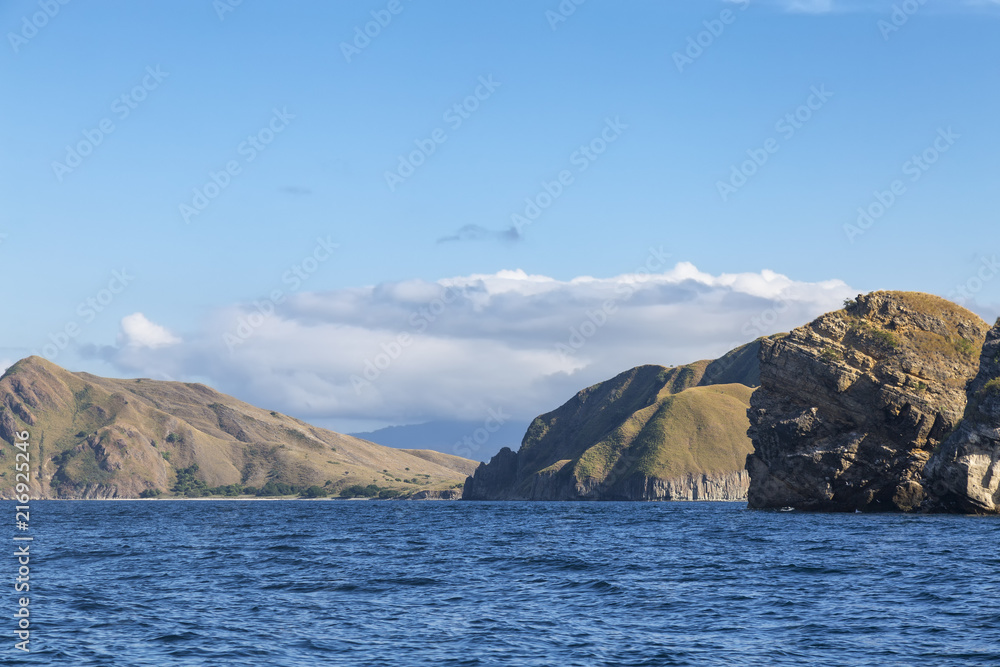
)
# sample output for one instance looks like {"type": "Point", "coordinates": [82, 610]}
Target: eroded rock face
{"type": "Point", "coordinates": [498, 480]}
{"type": "Point", "coordinates": [964, 474]}
{"type": "Point", "coordinates": [852, 405]}
{"type": "Point", "coordinates": [495, 480]}
{"type": "Point", "coordinates": [445, 494]}
{"type": "Point", "coordinates": [730, 486]}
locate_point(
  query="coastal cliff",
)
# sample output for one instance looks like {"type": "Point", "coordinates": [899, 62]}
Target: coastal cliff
{"type": "Point", "coordinates": [692, 486]}
{"type": "Point", "coordinates": [852, 405]}
{"type": "Point", "coordinates": [650, 433]}
{"type": "Point", "coordinates": [964, 474]}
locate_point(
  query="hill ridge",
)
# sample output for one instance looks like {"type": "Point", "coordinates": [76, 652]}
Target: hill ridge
{"type": "Point", "coordinates": [95, 437]}
{"type": "Point", "coordinates": [651, 432]}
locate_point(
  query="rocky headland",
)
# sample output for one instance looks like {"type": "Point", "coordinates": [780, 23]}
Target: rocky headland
{"type": "Point", "coordinates": [963, 475]}
{"type": "Point", "coordinates": [650, 433]}
{"type": "Point", "coordinates": [853, 405]}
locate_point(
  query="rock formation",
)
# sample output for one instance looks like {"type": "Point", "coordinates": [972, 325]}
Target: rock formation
{"type": "Point", "coordinates": [964, 474]}
{"type": "Point", "coordinates": [651, 433]}
{"type": "Point", "coordinates": [852, 405]}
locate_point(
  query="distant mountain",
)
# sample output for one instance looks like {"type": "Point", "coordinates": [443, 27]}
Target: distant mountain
{"type": "Point", "coordinates": [650, 433]}
{"type": "Point", "coordinates": [93, 437]}
{"type": "Point", "coordinates": [469, 439]}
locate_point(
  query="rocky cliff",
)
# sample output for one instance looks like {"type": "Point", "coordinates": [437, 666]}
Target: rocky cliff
{"type": "Point", "coordinates": [852, 405]}
{"type": "Point", "coordinates": [692, 486]}
{"type": "Point", "coordinates": [651, 433]}
{"type": "Point", "coordinates": [93, 437]}
{"type": "Point", "coordinates": [964, 474]}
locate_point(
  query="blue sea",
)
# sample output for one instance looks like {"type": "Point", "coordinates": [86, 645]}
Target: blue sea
{"type": "Point", "coordinates": [457, 583]}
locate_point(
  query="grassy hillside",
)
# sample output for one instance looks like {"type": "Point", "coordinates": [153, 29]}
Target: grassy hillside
{"type": "Point", "coordinates": [740, 366]}
{"type": "Point", "coordinates": [701, 430]}
{"type": "Point", "coordinates": [95, 437]}
{"type": "Point", "coordinates": [648, 423]}
{"type": "Point", "coordinates": [595, 413]}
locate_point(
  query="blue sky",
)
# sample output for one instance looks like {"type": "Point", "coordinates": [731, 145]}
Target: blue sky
{"type": "Point", "coordinates": [773, 247]}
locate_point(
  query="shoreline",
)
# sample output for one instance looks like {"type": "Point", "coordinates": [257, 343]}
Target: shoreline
{"type": "Point", "coordinates": [226, 498]}
{"type": "Point", "coordinates": [289, 498]}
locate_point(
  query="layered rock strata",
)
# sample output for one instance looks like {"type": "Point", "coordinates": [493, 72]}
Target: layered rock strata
{"type": "Point", "coordinates": [852, 405]}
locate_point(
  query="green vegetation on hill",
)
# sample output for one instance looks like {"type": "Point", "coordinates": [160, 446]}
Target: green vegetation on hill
{"type": "Point", "coordinates": [370, 491]}
{"type": "Point", "coordinates": [701, 430]}
{"type": "Point", "coordinates": [189, 486]}
{"type": "Point", "coordinates": [740, 366]}
{"type": "Point", "coordinates": [639, 424]}
{"type": "Point", "coordinates": [649, 422]}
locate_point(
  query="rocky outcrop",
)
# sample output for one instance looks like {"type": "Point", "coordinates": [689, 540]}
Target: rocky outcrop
{"type": "Point", "coordinates": [852, 405]}
{"type": "Point", "coordinates": [443, 494]}
{"type": "Point", "coordinates": [964, 474]}
{"type": "Point", "coordinates": [721, 486]}
{"type": "Point", "coordinates": [730, 486]}
{"type": "Point", "coordinates": [495, 480]}
{"type": "Point", "coordinates": [651, 433]}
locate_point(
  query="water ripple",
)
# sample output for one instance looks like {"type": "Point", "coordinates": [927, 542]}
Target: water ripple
{"type": "Point", "coordinates": [524, 584]}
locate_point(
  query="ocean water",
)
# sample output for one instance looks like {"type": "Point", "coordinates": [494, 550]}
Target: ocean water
{"type": "Point", "coordinates": [453, 583]}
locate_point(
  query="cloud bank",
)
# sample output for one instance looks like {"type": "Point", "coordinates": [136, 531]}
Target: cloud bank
{"type": "Point", "coordinates": [413, 351]}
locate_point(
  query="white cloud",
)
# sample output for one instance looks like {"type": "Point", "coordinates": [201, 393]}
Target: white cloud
{"type": "Point", "coordinates": [453, 348]}
{"type": "Point", "coordinates": [138, 331]}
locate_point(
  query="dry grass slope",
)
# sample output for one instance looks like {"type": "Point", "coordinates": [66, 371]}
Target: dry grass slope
{"type": "Point", "coordinates": [94, 437]}
{"type": "Point", "coordinates": [649, 421]}
{"type": "Point", "coordinates": [701, 430]}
